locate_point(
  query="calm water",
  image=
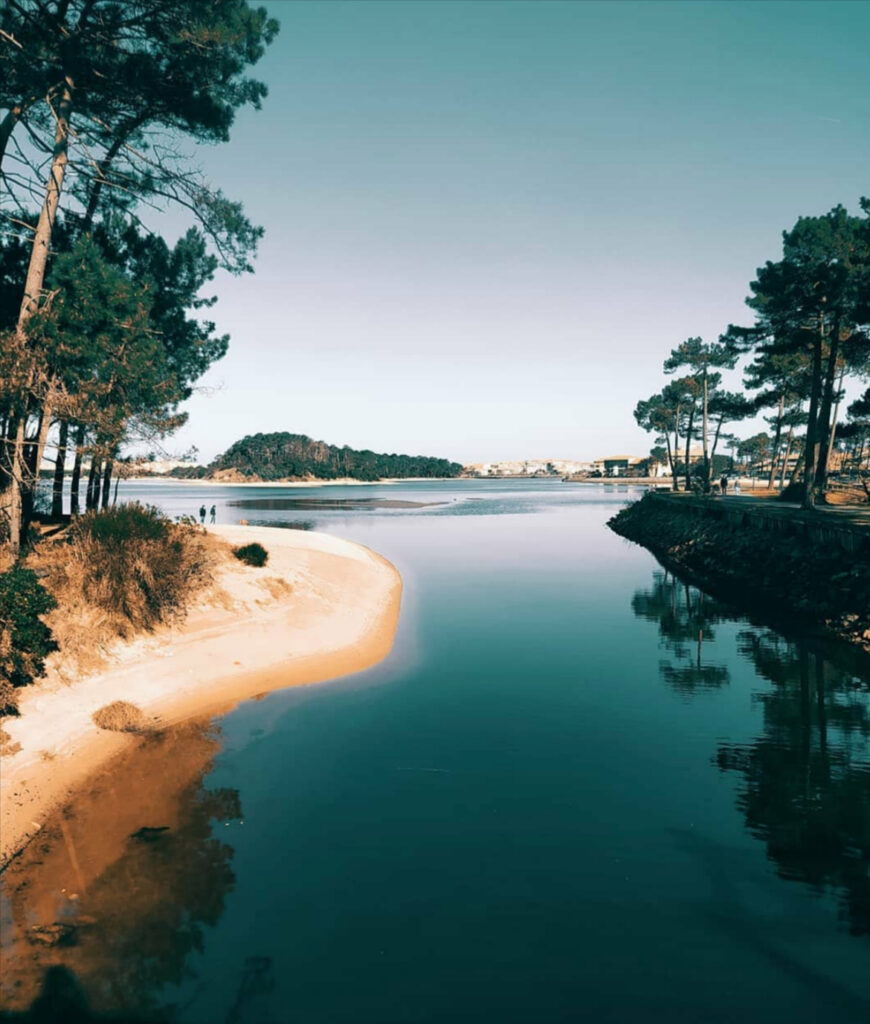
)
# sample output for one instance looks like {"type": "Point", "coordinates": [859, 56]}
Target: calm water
{"type": "Point", "coordinates": [577, 790]}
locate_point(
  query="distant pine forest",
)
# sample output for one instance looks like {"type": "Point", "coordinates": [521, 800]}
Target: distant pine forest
{"type": "Point", "coordinates": [283, 456]}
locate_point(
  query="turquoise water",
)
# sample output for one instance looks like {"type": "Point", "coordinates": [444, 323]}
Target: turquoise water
{"type": "Point", "coordinates": [577, 790]}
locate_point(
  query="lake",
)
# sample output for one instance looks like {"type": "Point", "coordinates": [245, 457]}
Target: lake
{"type": "Point", "coordinates": [577, 790]}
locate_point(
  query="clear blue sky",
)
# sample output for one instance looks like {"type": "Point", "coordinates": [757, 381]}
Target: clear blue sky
{"type": "Point", "coordinates": [488, 222]}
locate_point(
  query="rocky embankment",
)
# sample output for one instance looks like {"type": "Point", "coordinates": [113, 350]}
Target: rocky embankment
{"type": "Point", "coordinates": [782, 572]}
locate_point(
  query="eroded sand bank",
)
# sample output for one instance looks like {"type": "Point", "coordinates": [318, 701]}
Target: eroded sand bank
{"type": "Point", "coordinates": [322, 607]}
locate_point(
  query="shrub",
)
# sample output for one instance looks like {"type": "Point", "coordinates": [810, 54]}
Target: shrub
{"type": "Point", "coordinates": [252, 554]}
{"type": "Point", "coordinates": [132, 566]}
{"type": "Point", "coordinates": [130, 521]}
{"type": "Point", "coordinates": [120, 716]}
{"type": "Point", "coordinates": [25, 640]}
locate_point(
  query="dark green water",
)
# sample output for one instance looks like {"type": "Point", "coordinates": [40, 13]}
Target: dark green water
{"type": "Point", "coordinates": [577, 790]}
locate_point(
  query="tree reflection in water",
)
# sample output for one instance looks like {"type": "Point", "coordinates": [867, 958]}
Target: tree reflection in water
{"type": "Point", "coordinates": [686, 618]}
{"type": "Point", "coordinates": [805, 784]}
{"type": "Point", "coordinates": [120, 888]}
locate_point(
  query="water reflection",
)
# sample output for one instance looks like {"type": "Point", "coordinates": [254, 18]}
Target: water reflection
{"type": "Point", "coordinates": [285, 524]}
{"type": "Point", "coordinates": [805, 782]}
{"type": "Point", "coordinates": [120, 889]}
{"type": "Point", "coordinates": [357, 504]}
{"type": "Point", "coordinates": [686, 618]}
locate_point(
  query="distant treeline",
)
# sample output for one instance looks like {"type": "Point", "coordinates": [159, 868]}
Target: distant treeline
{"type": "Point", "coordinates": [284, 456]}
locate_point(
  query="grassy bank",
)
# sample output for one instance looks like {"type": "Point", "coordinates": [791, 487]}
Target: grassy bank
{"type": "Point", "coordinates": [84, 585]}
{"type": "Point", "coordinates": [822, 584]}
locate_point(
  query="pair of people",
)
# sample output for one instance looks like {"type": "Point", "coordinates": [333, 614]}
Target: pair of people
{"type": "Point", "coordinates": [212, 513]}
{"type": "Point", "coordinates": [723, 486]}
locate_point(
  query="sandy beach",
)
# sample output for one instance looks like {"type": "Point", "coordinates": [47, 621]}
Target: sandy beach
{"type": "Point", "coordinates": [322, 607]}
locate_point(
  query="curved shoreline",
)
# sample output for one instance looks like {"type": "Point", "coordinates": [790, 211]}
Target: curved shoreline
{"type": "Point", "coordinates": [321, 608]}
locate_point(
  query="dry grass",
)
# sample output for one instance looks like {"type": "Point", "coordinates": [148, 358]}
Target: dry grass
{"type": "Point", "coordinates": [118, 573]}
{"type": "Point", "coordinates": [120, 716]}
{"type": "Point", "coordinates": [276, 586]}
{"type": "Point", "coordinates": [845, 495]}
{"type": "Point", "coordinates": [8, 746]}
{"type": "Point", "coordinates": [8, 697]}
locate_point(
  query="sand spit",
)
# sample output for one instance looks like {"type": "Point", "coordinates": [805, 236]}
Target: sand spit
{"type": "Point", "coordinates": [322, 607]}
{"type": "Point", "coordinates": [330, 504]}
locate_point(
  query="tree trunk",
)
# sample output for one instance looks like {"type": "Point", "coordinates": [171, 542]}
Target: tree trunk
{"type": "Point", "coordinates": [16, 483]}
{"type": "Point", "coordinates": [796, 472]}
{"type": "Point", "coordinates": [34, 450]}
{"type": "Point", "coordinates": [788, 444]}
{"type": "Point", "coordinates": [30, 301]}
{"type": "Point", "coordinates": [811, 443]}
{"type": "Point", "coordinates": [670, 455]}
{"type": "Point", "coordinates": [688, 486]}
{"type": "Point", "coordinates": [829, 428]}
{"type": "Point", "coordinates": [824, 433]}
{"type": "Point", "coordinates": [75, 483]}
{"type": "Point", "coordinates": [776, 439]}
{"type": "Point", "coordinates": [93, 484]}
{"type": "Point", "coordinates": [716, 440]}
{"type": "Point", "coordinates": [704, 426]}
{"type": "Point", "coordinates": [107, 483]}
{"type": "Point", "coordinates": [675, 482]}
{"type": "Point", "coordinates": [59, 467]}
{"type": "Point", "coordinates": [30, 445]}
{"type": "Point", "coordinates": [42, 435]}
{"type": "Point", "coordinates": [45, 225]}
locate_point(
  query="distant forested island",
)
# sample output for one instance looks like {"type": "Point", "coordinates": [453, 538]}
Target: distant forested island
{"type": "Point", "coordinates": [283, 456]}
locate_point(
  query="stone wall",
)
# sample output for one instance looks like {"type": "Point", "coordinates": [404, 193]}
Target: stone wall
{"type": "Point", "coordinates": [811, 566]}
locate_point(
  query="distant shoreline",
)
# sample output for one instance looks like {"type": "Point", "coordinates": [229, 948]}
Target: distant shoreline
{"type": "Point", "coordinates": [339, 482]}
{"type": "Point", "coordinates": [350, 482]}
{"type": "Point", "coordinates": [663, 483]}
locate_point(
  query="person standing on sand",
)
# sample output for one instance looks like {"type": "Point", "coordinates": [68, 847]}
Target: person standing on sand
{"type": "Point", "coordinates": [723, 484]}
{"type": "Point", "coordinates": [212, 515]}
{"type": "Point", "coordinates": [202, 514]}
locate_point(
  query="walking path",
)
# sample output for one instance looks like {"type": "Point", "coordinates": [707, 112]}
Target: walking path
{"type": "Point", "coordinates": [845, 526]}
{"type": "Point", "coordinates": [840, 515]}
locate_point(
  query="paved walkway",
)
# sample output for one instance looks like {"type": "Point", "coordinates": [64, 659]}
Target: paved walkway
{"type": "Point", "coordinates": [839, 515]}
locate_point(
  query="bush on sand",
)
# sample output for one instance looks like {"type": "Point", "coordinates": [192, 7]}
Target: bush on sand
{"type": "Point", "coordinates": [252, 554]}
{"type": "Point", "coordinates": [120, 716]}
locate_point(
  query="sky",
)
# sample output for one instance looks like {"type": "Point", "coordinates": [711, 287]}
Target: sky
{"type": "Point", "coordinates": [488, 223]}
